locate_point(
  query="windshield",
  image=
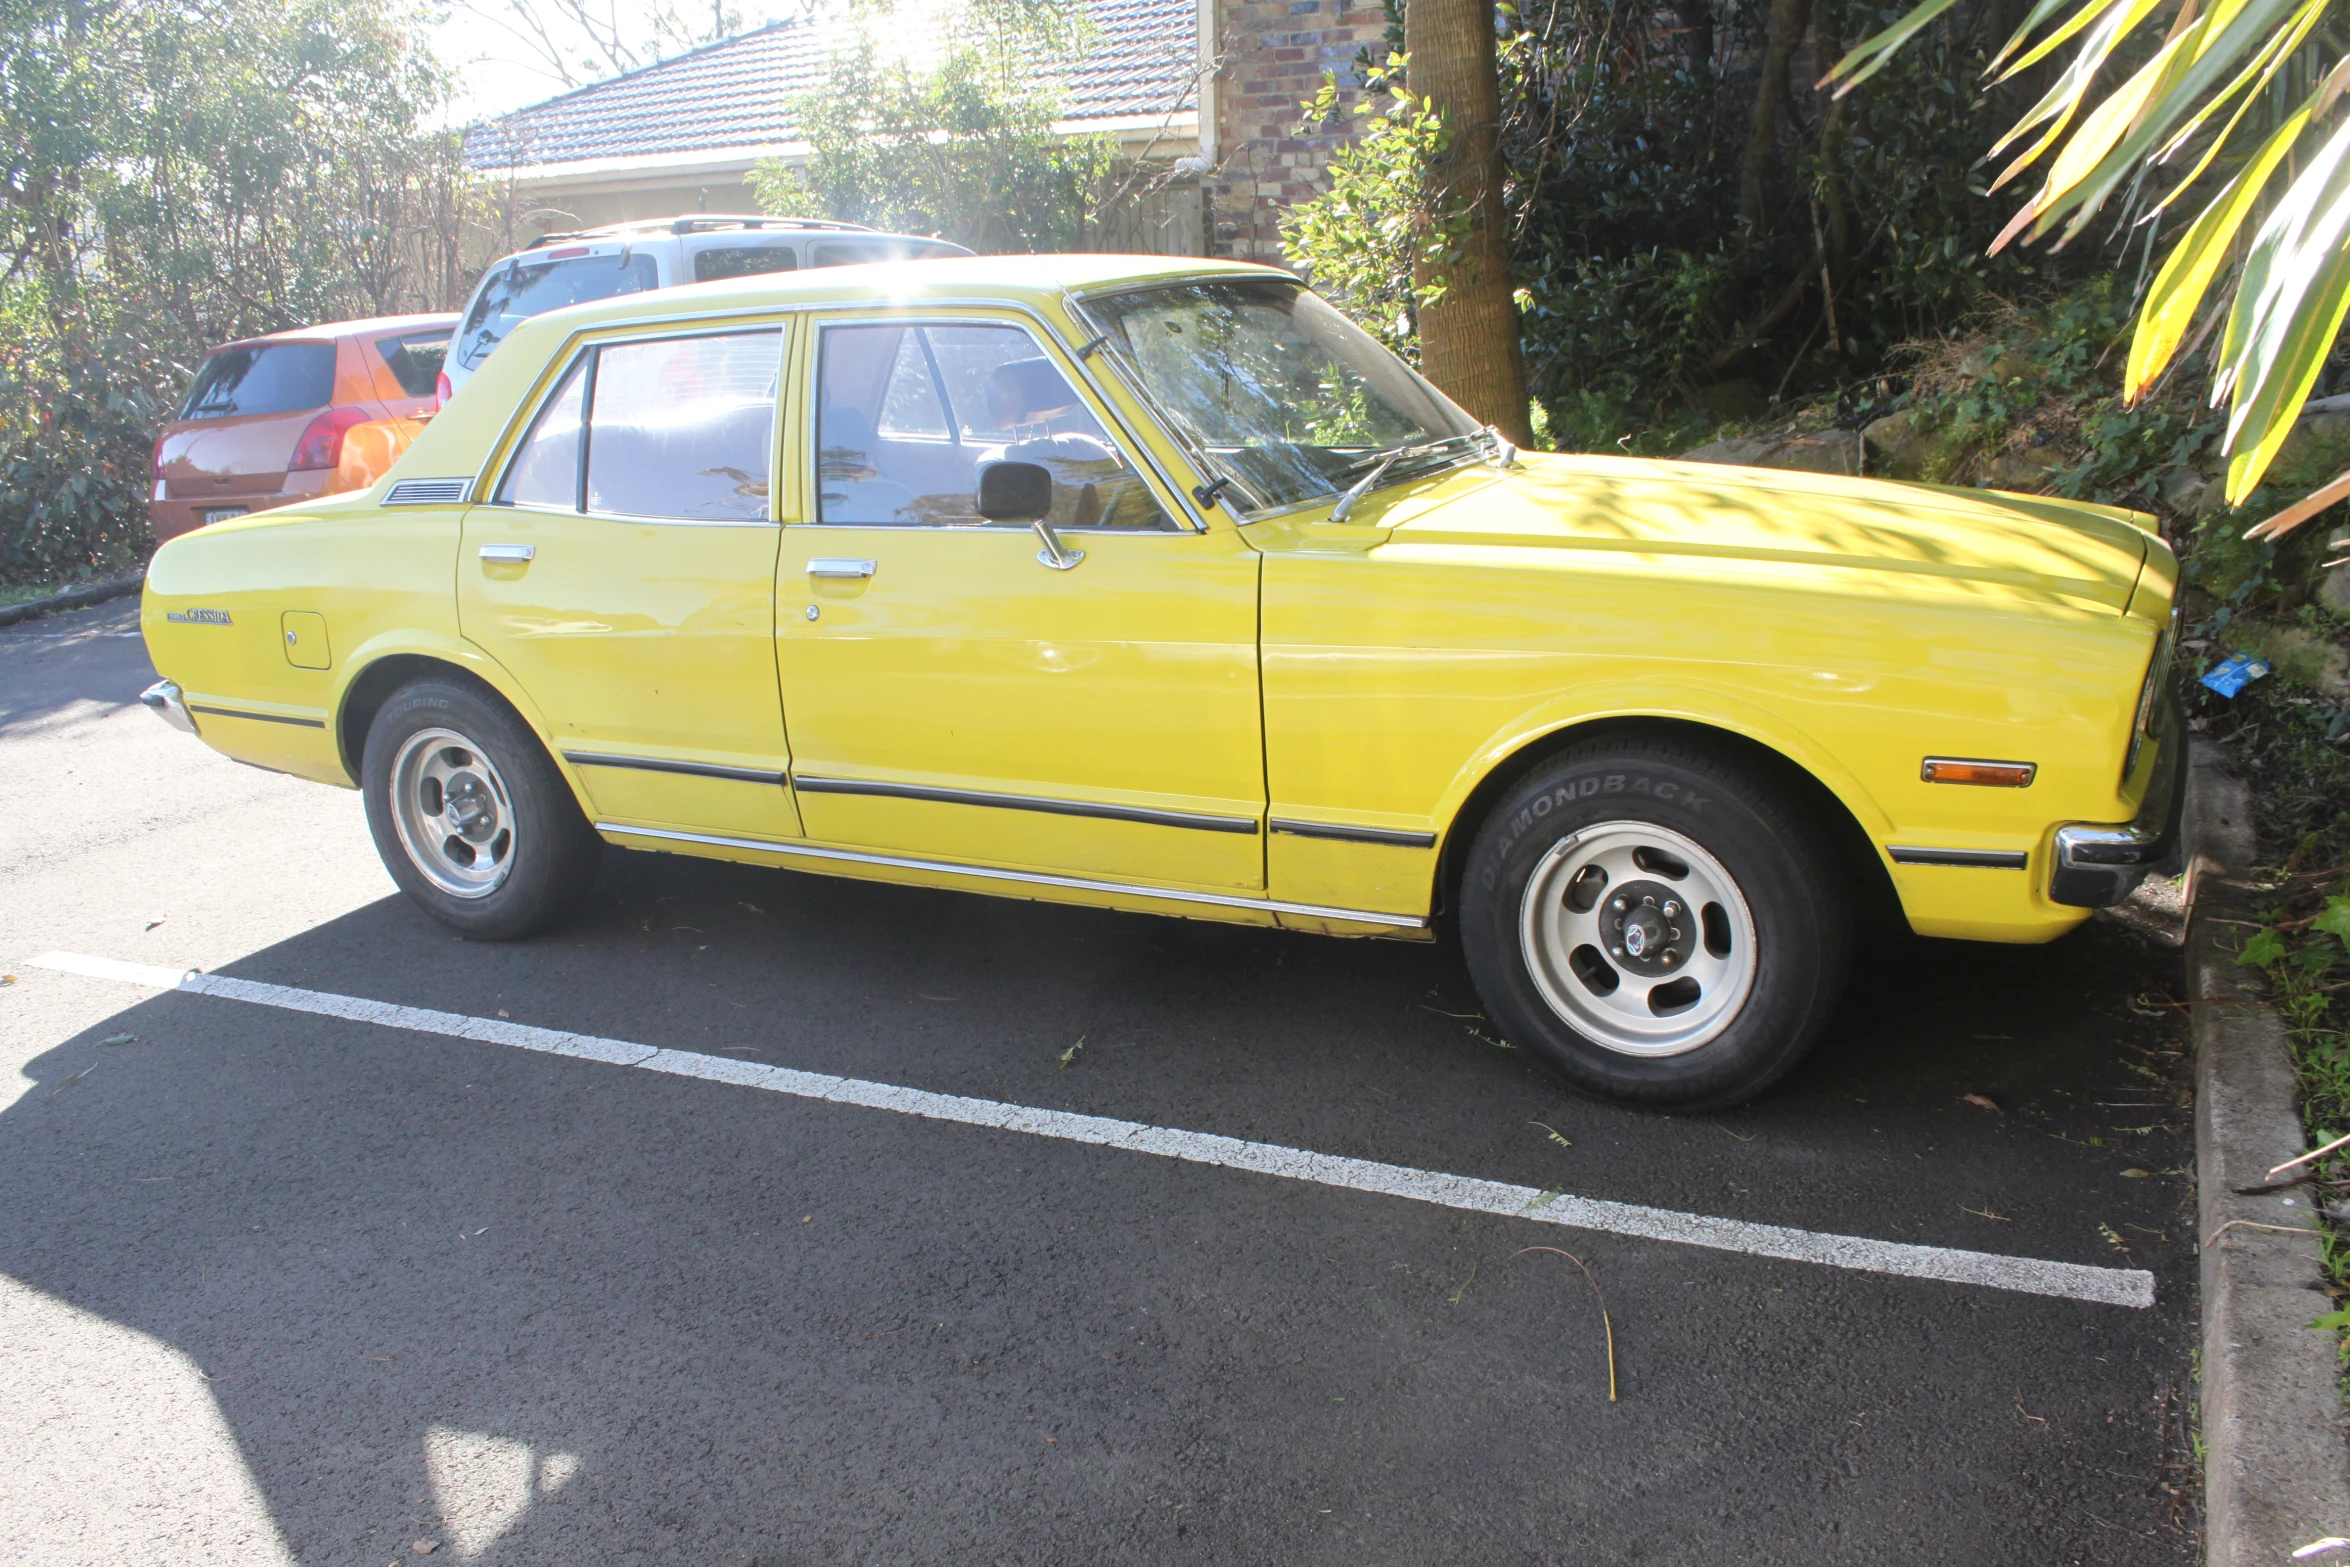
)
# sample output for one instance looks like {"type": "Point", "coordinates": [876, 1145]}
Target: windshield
{"type": "Point", "coordinates": [1284, 396]}
{"type": "Point", "coordinates": [519, 291]}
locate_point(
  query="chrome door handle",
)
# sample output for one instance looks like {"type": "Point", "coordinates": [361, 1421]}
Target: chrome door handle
{"type": "Point", "coordinates": [510, 554]}
{"type": "Point", "coordinates": [828, 566]}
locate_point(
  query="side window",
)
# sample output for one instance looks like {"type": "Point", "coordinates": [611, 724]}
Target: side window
{"type": "Point", "coordinates": [725, 261]}
{"type": "Point", "coordinates": [415, 360]}
{"type": "Point", "coordinates": [684, 427]}
{"type": "Point", "coordinates": [678, 428]}
{"type": "Point", "coordinates": [545, 472]}
{"type": "Point", "coordinates": [907, 415]}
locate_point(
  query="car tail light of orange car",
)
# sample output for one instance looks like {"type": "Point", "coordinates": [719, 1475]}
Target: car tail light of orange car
{"type": "Point", "coordinates": [321, 445]}
{"type": "Point", "coordinates": [442, 391]}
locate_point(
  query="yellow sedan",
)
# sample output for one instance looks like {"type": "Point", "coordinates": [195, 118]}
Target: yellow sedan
{"type": "Point", "coordinates": [1154, 584]}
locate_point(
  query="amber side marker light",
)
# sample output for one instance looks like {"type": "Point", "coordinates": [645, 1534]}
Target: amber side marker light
{"type": "Point", "coordinates": [1991, 775]}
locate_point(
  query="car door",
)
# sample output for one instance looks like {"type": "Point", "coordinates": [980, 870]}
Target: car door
{"type": "Point", "coordinates": [952, 696]}
{"type": "Point", "coordinates": [624, 573]}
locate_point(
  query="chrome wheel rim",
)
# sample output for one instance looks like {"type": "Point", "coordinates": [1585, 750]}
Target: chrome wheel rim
{"type": "Point", "coordinates": [1638, 938]}
{"type": "Point", "coordinates": [453, 814]}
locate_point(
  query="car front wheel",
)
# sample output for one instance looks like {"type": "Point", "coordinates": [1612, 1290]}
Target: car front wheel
{"type": "Point", "coordinates": [470, 816]}
{"type": "Point", "coordinates": [1657, 923]}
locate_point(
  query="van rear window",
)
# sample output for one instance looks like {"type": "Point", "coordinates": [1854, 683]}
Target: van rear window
{"type": "Point", "coordinates": [725, 261]}
{"type": "Point", "coordinates": [262, 378]}
{"type": "Point", "coordinates": [517, 292]}
{"type": "Point", "coordinates": [850, 252]}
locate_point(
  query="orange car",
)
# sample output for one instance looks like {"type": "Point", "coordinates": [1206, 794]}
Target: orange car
{"type": "Point", "coordinates": [294, 414]}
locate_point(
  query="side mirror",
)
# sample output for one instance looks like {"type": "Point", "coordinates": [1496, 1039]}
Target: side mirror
{"type": "Point", "coordinates": [1014, 492]}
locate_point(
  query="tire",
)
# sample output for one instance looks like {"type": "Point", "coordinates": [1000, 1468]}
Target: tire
{"type": "Point", "coordinates": [1662, 926]}
{"type": "Point", "coordinates": [470, 815]}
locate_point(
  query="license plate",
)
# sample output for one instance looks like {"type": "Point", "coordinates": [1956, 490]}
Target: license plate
{"type": "Point", "coordinates": [213, 514]}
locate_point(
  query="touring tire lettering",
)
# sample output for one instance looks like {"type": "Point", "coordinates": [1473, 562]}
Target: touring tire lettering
{"type": "Point", "coordinates": [1665, 791]}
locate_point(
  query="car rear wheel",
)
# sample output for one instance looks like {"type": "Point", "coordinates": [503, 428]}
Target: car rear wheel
{"type": "Point", "coordinates": [1660, 925]}
{"type": "Point", "coordinates": [470, 816]}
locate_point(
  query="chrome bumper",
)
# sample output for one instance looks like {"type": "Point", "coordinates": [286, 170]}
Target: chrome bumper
{"type": "Point", "coordinates": [2097, 866]}
{"type": "Point", "coordinates": [164, 701]}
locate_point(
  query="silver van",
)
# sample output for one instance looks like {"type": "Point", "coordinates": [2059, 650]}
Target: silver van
{"type": "Point", "coordinates": [634, 258]}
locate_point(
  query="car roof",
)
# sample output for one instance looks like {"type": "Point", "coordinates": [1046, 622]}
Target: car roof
{"type": "Point", "coordinates": [335, 331]}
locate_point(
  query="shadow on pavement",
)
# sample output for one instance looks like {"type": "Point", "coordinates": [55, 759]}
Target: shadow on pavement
{"type": "Point", "coordinates": [542, 1310]}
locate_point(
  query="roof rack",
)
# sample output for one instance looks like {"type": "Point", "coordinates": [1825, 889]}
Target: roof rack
{"type": "Point", "coordinates": [699, 223]}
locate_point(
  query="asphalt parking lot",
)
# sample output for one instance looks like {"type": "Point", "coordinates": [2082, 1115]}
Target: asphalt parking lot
{"type": "Point", "coordinates": [280, 1285]}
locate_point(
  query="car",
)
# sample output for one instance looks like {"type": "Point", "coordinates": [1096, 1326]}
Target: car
{"type": "Point", "coordinates": [1154, 584]}
{"type": "Point", "coordinates": [556, 270]}
{"type": "Point", "coordinates": [267, 419]}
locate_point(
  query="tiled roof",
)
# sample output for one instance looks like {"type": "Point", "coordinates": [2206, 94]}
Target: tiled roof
{"type": "Point", "coordinates": [738, 92]}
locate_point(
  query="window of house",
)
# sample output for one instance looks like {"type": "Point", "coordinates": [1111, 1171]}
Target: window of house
{"type": "Point", "coordinates": [676, 429]}
{"type": "Point", "coordinates": [907, 416]}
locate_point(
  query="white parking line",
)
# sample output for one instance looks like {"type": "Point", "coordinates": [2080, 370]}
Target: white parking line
{"type": "Point", "coordinates": [2067, 1280]}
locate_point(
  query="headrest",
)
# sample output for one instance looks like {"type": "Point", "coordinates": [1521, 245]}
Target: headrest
{"type": "Point", "coordinates": [1023, 391]}
{"type": "Point", "coordinates": [845, 427]}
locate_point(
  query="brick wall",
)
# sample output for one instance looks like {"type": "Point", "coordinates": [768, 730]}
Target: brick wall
{"type": "Point", "coordinates": [1274, 53]}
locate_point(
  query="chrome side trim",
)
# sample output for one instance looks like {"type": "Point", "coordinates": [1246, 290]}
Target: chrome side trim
{"type": "Point", "coordinates": [1984, 859]}
{"type": "Point", "coordinates": [163, 699]}
{"type": "Point", "coordinates": [1029, 878]}
{"type": "Point", "coordinates": [1385, 835]}
{"type": "Point", "coordinates": [428, 492]}
{"type": "Point", "coordinates": [1026, 802]}
{"type": "Point", "coordinates": [656, 764]}
{"type": "Point", "coordinates": [259, 718]}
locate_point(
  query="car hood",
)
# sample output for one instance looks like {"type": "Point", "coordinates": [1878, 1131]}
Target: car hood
{"type": "Point", "coordinates": [1908, 539]}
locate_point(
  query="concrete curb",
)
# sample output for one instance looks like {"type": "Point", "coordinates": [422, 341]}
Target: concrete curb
{"type": "Point", "coordinates": [72, 598]}
{"type": "Point", "coordinates": [2276, 1471]}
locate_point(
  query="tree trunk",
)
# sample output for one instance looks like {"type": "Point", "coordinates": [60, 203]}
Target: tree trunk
{"type": "Point", "coordinates": [1788, 19]}
{"type": "Point", "coordinates": [1469, 338]}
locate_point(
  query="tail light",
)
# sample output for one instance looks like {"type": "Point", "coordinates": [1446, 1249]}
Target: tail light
{"type": "Point", "coordinates": [442, 391]}
{"type": "Point", "coordinates": [321, 445]}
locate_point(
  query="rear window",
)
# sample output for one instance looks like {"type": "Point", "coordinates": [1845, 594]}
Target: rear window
{"type": "Point", "coordinates": [415, 359]}
{"type": "Point", "coordinates": [725, 261]}
{"type": "Point", "coordinates": [850, 252]}
{"type": "Point", "coordinates": [263, 378]}
{"type": "Point", "coordinates": [515, 293]}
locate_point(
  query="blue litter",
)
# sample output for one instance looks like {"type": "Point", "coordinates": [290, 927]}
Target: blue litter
{"type": "Point", "coordinates": [2239, 671]}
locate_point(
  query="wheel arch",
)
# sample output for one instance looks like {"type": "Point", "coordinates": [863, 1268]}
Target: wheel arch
{"type": "Point", "coordinates": [374, 678]}
{"type": "Point", "coordinates": [1863, 864]}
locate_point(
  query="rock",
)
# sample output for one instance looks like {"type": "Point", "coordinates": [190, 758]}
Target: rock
{"type": "Point", "coordinates": [2024, 470]}
{"type": "Point", "coordinates": [1903, 446]}
{"type": "Point", "coordinates": [1828, 451]}
{"type": "Point", "coordinates": [1725, 401]}
{"type": "Point", "coordinates": [2180, 489]}
{"type": "Point", "coordinates": [2301, 655]}
{"type": "Point", "coordinates": [2333, 583]}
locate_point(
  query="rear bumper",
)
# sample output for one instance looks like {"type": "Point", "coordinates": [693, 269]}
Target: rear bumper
{"type": "Point", "coordinates": [2097, 866]}
{"type": "Point", "coordinates": [163, 699]}
{"type": "Point", "coordinates": [172, 516]}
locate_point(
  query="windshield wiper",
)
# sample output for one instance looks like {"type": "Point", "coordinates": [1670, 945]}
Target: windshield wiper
{"type": "Point", "coordinates": [1362, 486]}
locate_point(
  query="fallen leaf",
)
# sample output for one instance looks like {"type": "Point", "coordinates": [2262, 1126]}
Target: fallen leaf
{"type": "Point", "coordinates": [1069, 1056]}
{"type": "Point", "coordinates": [1980, 1099]}
{"type": "Point", "coordinates": [7, 979]}
{"type": "Point", "coordinates": [425, 1547]}
{"type": "Point", "coordinates": [69, 1082]}
{"type": "Point", "coordinates": [118, 1039]}
{"type": "Point", "coordinates": [1554, 1133]}
{"type": "Point", "coordinates": [502, 1012]}
{"type": "Point", "coordinates": [151, 924]}
{"type": "Point", "coordinates": [2136, 1175]}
